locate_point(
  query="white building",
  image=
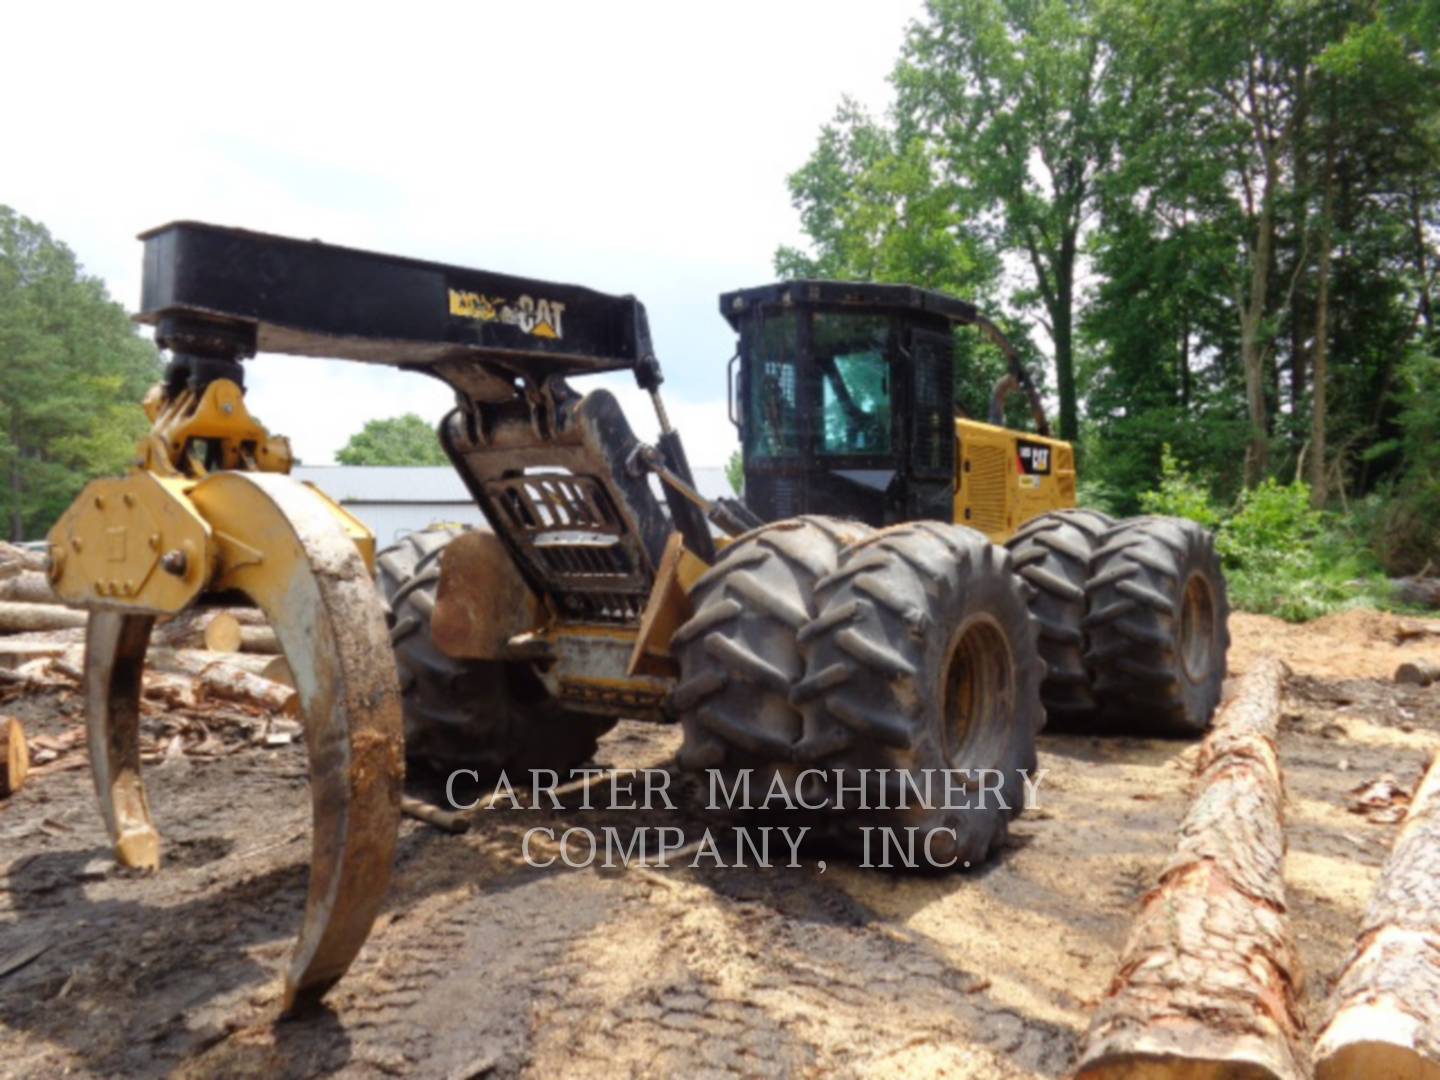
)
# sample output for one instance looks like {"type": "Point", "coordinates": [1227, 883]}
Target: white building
{"type": "Point", "coordinates": [395, 500]}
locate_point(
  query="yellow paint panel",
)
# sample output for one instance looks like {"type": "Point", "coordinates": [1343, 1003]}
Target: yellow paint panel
{"type": "Point", "coordinates": [995, 493]}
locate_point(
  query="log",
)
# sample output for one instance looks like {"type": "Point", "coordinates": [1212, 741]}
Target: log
{"type": "Point", "coordinates": [1207, 983]}
{"type": "Point", "coordinates": [1385, 1009]}
{"type": "Point", "coordinates": [1418, 672]}
{"type": "Point", "coordinates": [17, 651]}
{"type": "Point", "coordinates": [277, 669]}
{"type": "Point", "coordinates": [195, 661]}
{"type": "Point", "coordinates": [226, 682]}
{"type": "Point", "coordinates": [447, 820]}
{"type": "Point", "coordinates": [28, 587]}
{"type": "Point", "coordinates": [24, 557]}
{"type": "Point", "coordinates": [188, 629]}
{"type": "Point", "coordinates": [225, 633]}
{"type": "Point", "coordinates": [14, 756]}
{"type": "Point", "coordinates": [1421, 592]}
{"type": "Point", "coordinates": [18, 618]}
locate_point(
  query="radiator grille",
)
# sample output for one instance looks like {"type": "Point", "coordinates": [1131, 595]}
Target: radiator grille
{"type": "Point", "coordinates": [988, 483]}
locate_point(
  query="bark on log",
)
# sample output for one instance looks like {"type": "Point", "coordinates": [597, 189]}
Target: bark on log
{"type": "Point", "coordinates": [14, 756]}
{"type": "Point", "coordinates": [1207, 984]}
{"type": "Point", "coordinates": [225, 633]}
{"type": "Point", "coordinates": [28, 587]}
{"type": "Point", "coordinates": [1385, 1010]}
{"type": "Point", "coordinates": [1418, 672]}
{"type": "Point", "coordinates": [195, 661]}
{"type": "Point", "coordinates": [17, 618]}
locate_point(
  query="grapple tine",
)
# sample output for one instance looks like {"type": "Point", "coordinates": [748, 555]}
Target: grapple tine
{"type": "Point", "coordinates": [115, 646]}
{"type": "Point", "coordinates": [283, 547]}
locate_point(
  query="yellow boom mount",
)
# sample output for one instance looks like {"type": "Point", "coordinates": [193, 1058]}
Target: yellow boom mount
{"type": "Point", "coordinates": [208, 508]}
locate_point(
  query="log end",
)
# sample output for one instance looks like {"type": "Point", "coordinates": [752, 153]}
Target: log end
{"type": "Point", "coordinates": [1373, 1040]}
{"type": "Point", "coordinates": [1242, 1060]}
{"type": "Point", "coordinates": [14, 756]}
{"type": "Point", "coordinates": [222, 633]}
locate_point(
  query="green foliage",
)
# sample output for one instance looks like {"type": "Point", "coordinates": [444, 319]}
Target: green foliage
{"type": "Point", "coordinates": [1407, 526]}
{"type": "Point", "coordinates": [1180, 494]}
{"type": "Point", "coordinates": [72, 373]}
{"type": "Point", "coordinates": [399, 440]}
{"type": "Point", "coordinates": [1281, 556]}
{"type": "Point", "coordinates": [735, 473]}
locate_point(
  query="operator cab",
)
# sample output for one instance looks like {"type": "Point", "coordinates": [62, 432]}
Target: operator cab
{"type": "Point", "coordinates": [845, 400]}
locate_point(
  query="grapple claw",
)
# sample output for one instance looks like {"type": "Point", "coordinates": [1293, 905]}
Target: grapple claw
{"type": "Point", "coordinates": [115, 646]}
{"type": "Point", "coordinates": [283, 546]}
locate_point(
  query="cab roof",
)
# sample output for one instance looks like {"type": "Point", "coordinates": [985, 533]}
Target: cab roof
{"type": "Point", "coordinates": [814, 292]}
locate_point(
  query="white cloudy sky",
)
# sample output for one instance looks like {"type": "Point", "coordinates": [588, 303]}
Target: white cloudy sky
{"type": "Point", "coordinates": [632, 147]}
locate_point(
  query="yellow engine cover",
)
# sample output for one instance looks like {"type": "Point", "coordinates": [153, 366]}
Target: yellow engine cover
{"type": "Point", "coordinates": [1005, 478]}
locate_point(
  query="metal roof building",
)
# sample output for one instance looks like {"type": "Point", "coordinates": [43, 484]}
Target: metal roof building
{"type": "Point", "coordinates": [399, 499]}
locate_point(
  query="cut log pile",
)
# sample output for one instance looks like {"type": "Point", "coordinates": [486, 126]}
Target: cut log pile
{"type": "Point", "coordinates": [1207, 983]}
{"type": "Point", "coordinates": [214, 677]}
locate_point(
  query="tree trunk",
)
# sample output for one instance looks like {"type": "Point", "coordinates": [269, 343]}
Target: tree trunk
{"type": "Point", "coordinates": [1252, 321]}
{"type": "Point", "coordinates": [17, 480]}
{"type": "Point", "coordinates": [1318, 475]}
{"type": "Point", "coordinates": [1206, 986]}
{"type": "Point", "coordinates": [1386, 1006]}
{"type": "Point", "coordinates": [1422, 270]}
{"type": "Point", "coordinates": [14, 756]}
{"type": "Point", "coordinates": [17, 618]}
{"type": "Point", "coordinates": [1063, 318]}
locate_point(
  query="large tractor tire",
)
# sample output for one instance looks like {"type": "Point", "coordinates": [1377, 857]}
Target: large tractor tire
{"type": "Point", "coordinates": [1052, 553]}
{"type": "Point", "coordinates": [1158, 626]}
{"type": "Point", "coordinates": [474, 714]}
{"type": "Point", "coordinates": [738, 655]}
{"type": "Point", "coordinates": [923, 659]}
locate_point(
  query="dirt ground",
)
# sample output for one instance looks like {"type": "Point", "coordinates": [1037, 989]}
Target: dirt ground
{"type": "Point", "coordinates": [484, 966]}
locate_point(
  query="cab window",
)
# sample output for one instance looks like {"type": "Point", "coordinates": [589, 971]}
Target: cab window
{"type": "Point", "coordinates": [772, 408]}
{"type": "Point", "coordinates": [855, 384]}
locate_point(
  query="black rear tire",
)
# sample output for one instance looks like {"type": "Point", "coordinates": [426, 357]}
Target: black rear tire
{"type": "Point", "coordinates": [738, 655]}
{"type": "Point", "coordinates": [1158, 626]}
{"type": "Point", "coordinates": [474, 714]}
{"type": "Point", "coordinates": [1052, 553]}
{"type": "Point", "coordinates": [923, 660]}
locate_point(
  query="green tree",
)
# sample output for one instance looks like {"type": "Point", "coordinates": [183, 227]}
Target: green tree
{"type": "Point", "coordinates": [873, 209]}
{"type": "Point", "coordinates": [1013, 96]}
{"type": "Point", "coordinates": [399, 440]}
{"type": "Point", "coordinates": [72, 373]}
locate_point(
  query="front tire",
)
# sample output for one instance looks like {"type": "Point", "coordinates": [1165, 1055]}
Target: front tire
{"type": "Point", "coordinates": [490, 716]}
{"type": "Point", "coordinates": [738, 655]}
{"type": "Point", "coordinates": [922, 661]}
